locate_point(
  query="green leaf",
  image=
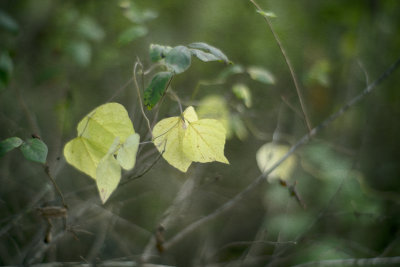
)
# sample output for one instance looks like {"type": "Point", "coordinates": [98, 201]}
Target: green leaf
{"type": "Point", "coordinates": [268, 14]}
{"type": "Point", "coordinates": [242, 92]}
{"type": "Point", "coordinates": [212, 50]}
{"type": "Point", "coordinates": [156, 89]}
{"type": "Point", "coordinates": [178, 59]}
{"type": "Point", "coordinates": [261, 75]}
{"type": "Point", "coordinates": [9, 144]}
{"type": "Point", "coordinates": [35, 150]}
{"type": "Point", "coordinates": [158, 52]}
{"type": "Point", "coordinates": [8, 23]}
{"type": "Point", "coordinates": [131, 34]}
{"type": "Point", "coordinates": [203, 56]}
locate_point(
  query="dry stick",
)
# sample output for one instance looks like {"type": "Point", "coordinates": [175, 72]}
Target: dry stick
{"type": "Point", "coordinates": [230, 204]}
{"type": "Point", "coordinates": [289, 64]}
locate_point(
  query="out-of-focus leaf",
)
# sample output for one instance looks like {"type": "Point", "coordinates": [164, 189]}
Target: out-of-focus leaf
{"type": "Point", "coordinates": [231, 70]}
{"type": "Point", "coordinates": [242, 92]}
{"type": "Point", "coordinates": [34, 150]}
{"type": "Point", "coordinates": [178, 59]}
{"type": "Point", "coordinates": [238, 127]}
{"type": "Point", "coordinates": [268, 154]}
{"type": "Point", "coordinates": [8, 23]}
{"type": "Point", "coordinates": [89, 29]}
{"type": "Point", "coordinates": [319, 73]}
{"type": "Point", "coordinates": [261, 75]}
{"type": "Point", "coordinates": [203, 56]}
{"type": "Point", "coordinates": [212, 50]}
{"type": "Point", "coordinates": [131, 34]}
{"type": "Point", "coordinates": [81, 52]}
{"type": "Point", "coordinates": [9, 144]}
{"type": "Point", "coordinates": [215, 107]}
{"type": "Point", "coordinates": [156, 89]}
{"type": "Point", "coordinates": [136, 15]}
{"type": "Point", "coordinates": [268, 14]}
{"type": "Point", "coordinates": [6, 68]}
{"type": "Point", "coordinates": [158, 52]}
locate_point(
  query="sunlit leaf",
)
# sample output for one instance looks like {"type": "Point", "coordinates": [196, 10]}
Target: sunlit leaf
{"type": "Point", "coordinates": [242, 92]}
{"type": "Point", "coordinates": [212, 50]}
{"type": "Point", "coordinates": [270, 153]}
{"type": "Point", "coordinates": [261, 75]}
{"type": "Point", "coordinates": [178, 59]}
{"type": "Point", "coordinates": [204, 141]}
{"type": "Point", "coordinates": [34, 150]}
{"type": "Point", "coordinates": [184, 139]}
{"type": "Point", "coordinates": [108, 175]}
{"type": "Point", "coordinates": [126, 156]}
{"type": "Point", "coordinates": [96, 133]}
{"type": "Point", "coordinates": [156, 88]}
{"type": "Point", "coordinates": [9, 144]}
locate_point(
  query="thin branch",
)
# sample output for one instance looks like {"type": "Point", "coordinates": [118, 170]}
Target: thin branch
{"type": "Point", "coordinates": [138, 92]}
{"type": "Point", "coordinates": [289, 64]}
{"type": "Point", "coordinates": [261, 178]}
{"type": "Point", "coordinates": [132, 178]}
{"type": "Point", "coordinates": [53, 181]}
{"type": "Point", "coordinates": [353, 262]}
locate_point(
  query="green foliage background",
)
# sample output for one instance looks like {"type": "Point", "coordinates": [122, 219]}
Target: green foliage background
{"type": "Point", "coordinates": [61, 59]}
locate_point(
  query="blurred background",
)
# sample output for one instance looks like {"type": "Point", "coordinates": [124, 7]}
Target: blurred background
{"type": "Point", "coordinates": [337, 199]}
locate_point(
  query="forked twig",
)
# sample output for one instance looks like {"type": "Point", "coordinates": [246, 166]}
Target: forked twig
{"type": "Point", "coordinates": [289, 64]}
{"type": "Point", "coordinates": [231, 203]}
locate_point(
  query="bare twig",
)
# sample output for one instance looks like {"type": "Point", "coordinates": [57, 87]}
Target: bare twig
{"type": "Point", "coordinates": [53, 181]}
{"type": "Point", "coordinates": [289, 64]}
{"type": "Point", "coordinates": [230, 204]}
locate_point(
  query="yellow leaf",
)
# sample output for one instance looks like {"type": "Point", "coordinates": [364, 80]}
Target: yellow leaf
{"type": "Point", "coordinates": [96, 133]}
{"type": "Point", "coordinates": [126, 156]}
{"type": "Point", "coordinates": [168, 137]}
{"type": "Point", "coordinates": [185, 139]}
{"type": "Point", "coordinates": [204, 141]}
{"type": "Point", "coordinates": [269, 154]}
{"type": "Point", "coordinates": [108, 175]}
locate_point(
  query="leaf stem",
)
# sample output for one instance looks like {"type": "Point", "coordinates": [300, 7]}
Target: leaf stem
{"type": "Point", "coordinates": [138, 63]}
